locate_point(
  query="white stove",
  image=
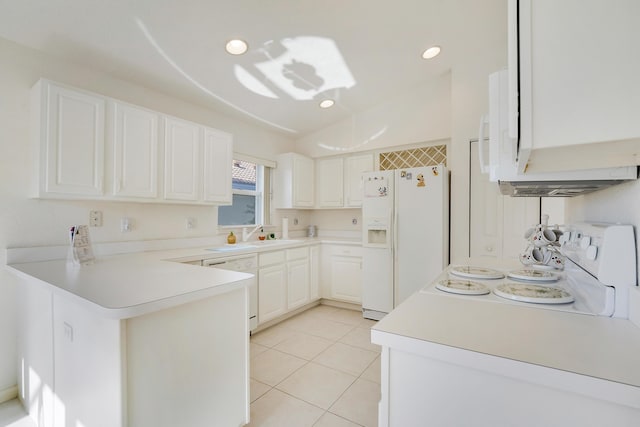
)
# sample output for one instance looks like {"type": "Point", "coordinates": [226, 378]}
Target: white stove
{"type": "Point", "coordinates": [599, 271]}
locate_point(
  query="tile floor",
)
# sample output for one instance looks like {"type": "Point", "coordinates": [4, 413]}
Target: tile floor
{"type": "Point", "coordinates": [318, 368]}
{"type": "Point", "coordinates": [12, 415]}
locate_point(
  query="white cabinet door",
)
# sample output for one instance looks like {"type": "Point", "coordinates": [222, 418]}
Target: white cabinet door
{"type": "Point", "coordinates": [314, 272]}
{"type": "Point", "coordinates": [578, 83]}
{"type": "Point", "coordinates": [272, 292]}
{"type": "Point", "coordinates": [182, 160]}
{"type": "Point", "coordinates": [303, 182]}
{"type": "Point", "coordinates": [218, 158]}
{"type": "Point", "coordinates": [293, 182]}
{"type": "Point", "coordinates": [329, 182]}
{"type": "Point", "coordinates": [135, 152]}
{"type": "Point", "coordinates": [297, 283]}
{"type": "Point", "coordinates": [355, 166]}
{"type": "Point", "coordinates": [346, 278]}
{"type": "Point", "coordinates": [71, 131]}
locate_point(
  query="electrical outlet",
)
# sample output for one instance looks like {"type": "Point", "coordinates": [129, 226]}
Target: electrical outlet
{"type": "Point", "coordinates": [125, 224]}
{"type": "Point", "coordinates": [68, 331]}
{"type": "Point", "coordinates": [191, 223]}
{"type": "Point", "coordinates": [95, 218]}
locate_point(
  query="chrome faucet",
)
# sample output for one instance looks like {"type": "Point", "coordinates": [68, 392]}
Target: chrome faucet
{"type": "Point", "coordinates": [246, 236]}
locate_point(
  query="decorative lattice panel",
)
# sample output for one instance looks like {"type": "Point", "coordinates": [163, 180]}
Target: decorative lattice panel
{"type": "Point", "coordinates": [416, 157]}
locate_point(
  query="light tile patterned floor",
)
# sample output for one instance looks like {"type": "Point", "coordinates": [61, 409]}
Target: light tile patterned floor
{"type": "Point", "coordinates": [318, 369]}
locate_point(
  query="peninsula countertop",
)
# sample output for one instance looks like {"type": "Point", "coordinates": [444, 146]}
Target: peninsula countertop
{"type": "Point", "coordinates": [124, 286]}
{"type": "Point", "coordinates": [132, 284]}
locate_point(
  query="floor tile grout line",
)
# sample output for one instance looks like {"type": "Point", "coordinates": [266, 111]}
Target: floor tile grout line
{"type": "Point", "coordinates": [313, 404]}
{"type": "Point", "coordinates": [332, 341]}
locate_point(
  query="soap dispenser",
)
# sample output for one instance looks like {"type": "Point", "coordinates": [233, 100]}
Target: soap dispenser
{"type": "Point", "coordinates": [231, 238]}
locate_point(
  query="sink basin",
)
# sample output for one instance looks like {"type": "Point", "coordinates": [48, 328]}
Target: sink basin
{"type": "Point", "coordinates": [253, 244]}
{"type": "Point", "coordinates": [232, 248]}
{"type": "Point", "coordinates": [259, 243]}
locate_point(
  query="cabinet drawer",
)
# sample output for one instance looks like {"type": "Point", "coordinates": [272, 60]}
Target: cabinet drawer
{"type": "Point", "coordinates": [345, 250]}
{"type": "Point", "coordinates": [297, 253]}
{"type": "Point", "coordinates": [269, 258]}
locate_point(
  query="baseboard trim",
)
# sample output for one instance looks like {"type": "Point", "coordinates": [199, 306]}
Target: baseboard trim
{"type": "Point", "coordinates": [273, 322]}
{"type": "Point", "coordinates": [323, 301]}
{"type": "Point", "coordinates": [8, 394]}
{"type": "Point", "coordinates": [341, 304]}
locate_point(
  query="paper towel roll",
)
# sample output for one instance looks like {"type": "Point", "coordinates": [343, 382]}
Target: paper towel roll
{"type": "Point", "coordinates": [285, 228]}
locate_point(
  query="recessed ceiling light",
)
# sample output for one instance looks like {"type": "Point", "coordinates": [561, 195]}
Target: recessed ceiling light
{"type": "Point", "coordinates": [432, 52]}
{"type": "Point", "coordinates": [327, 103]}
{"type": "Point", "coordinates": [236, 47]}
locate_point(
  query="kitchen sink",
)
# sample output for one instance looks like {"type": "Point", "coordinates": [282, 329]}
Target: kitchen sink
{"type": "Point", "coordinates": [252, 245]}
{"type": "Point", "coordinates": [232, 248]}
{"type": "Point", "coordinates": [259, 243]}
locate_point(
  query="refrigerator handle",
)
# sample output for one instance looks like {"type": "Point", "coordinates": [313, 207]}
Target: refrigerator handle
{"type": "Point", "coordinates": [392, 229]}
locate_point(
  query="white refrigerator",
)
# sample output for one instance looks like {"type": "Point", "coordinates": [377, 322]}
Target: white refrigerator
{"type": "Point", "coordinates": [405, 217]}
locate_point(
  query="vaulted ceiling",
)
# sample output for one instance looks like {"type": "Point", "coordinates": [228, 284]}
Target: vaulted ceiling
{"type": "Point", "coordinates": [356, 52]}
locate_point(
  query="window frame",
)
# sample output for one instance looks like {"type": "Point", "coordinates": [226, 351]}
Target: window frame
{"type": "Point", "coordinates": [263, 180]}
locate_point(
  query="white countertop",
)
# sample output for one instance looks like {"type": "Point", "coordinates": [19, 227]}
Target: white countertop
{"type": "Point", "coordinates": [600, 347]}
{"type": "Point", "coordinates": [126, 286]}
{"type": "Point", "coordinates": [129, 285]}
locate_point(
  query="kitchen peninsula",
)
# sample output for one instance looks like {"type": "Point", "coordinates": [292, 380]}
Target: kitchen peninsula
{"type": "Point", "coordinates": [133, 340]}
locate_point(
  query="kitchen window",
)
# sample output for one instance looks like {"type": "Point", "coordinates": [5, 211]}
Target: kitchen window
{"type": "Point", "coordinates": [249, 179]}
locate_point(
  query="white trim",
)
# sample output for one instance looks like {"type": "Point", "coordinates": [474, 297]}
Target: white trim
{"type": "Point", "coordinates": [253, 159]}
{"type": "Point", "coordinates": [8, 394]}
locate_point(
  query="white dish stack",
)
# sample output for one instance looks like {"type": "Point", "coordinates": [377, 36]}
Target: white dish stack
{"type": "Point", "coordinates": [543, 248]}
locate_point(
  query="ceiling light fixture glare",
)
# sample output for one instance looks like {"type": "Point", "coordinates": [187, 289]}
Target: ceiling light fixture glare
{"type": "Point", "coordinates": [327, 103]}
{"type": "Point", "coordinates": [236, 47]}
{"type": "Point", "coordinates": [432, 52]}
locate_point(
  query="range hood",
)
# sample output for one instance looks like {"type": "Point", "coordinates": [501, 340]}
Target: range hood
{"type": "Point", "coordinates": [556, 188]}
{"type": "Point", "coordinates": [502, 153]}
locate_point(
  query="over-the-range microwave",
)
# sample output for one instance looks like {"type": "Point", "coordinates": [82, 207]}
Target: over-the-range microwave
{"type": "Point", "coordinates": [499, 159]}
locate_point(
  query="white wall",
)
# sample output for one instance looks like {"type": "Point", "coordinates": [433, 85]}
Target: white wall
{"type": "Point", "coordinates": [28, 222]}
{"type": "Point", "coordinates": [449, 108]}
{"type": "Point", "coordinates": [417, 115]}
{"type": "Point", "coordinates": [620, 203]}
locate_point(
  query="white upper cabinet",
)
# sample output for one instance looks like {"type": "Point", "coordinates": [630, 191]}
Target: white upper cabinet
{"type": "Point", "coordinates": [293, 185]}
{"type": "Point", "coordinates": [135, 152]}
{"type": "Point", "coordinates": [339, 180]}
{"type": "Point", "coordinates": [355, 166]}
{"type": "Point", "coordinates": [182, 143]}
{"type": "Point", "coordinates": [329, 182]}
{"type": "Point", "coordinates": [577, 66]}
{"type": "Point", "coordinates": [69, 129]}
{"type": "Point", "coordinates": [218, 159]}
{"type": "Point", "coordinates": [198, 162]}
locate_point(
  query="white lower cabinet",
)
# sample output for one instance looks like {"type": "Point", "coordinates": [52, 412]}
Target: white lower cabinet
{"type": "Point", "coordinates": [141, 371]}
{"type": "Point", "coordinates": [314, 272]}
{"type": "Point", "coordinates": [285, 279]}
{"type": "Point", "coordinates": [297, 277]}
{"type": "Point", "coordinates": [342, 272]}
{"type": "Point", "coordinates": [272, 285]}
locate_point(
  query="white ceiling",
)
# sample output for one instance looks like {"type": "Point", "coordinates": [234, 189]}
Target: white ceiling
{"type": "Point", "coordinates": [358, 52]}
